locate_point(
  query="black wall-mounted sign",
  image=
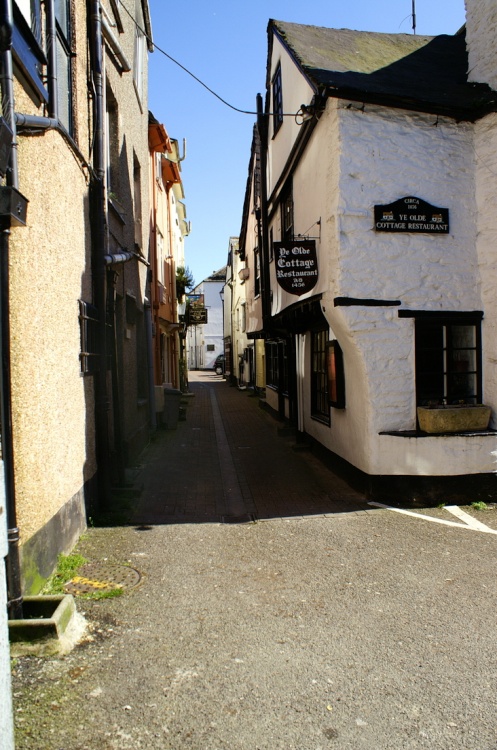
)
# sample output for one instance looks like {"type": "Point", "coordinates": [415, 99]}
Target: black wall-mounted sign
{"type": "Point", "coordinates": [411, 214]}
{"type": "Point", "coordinates": [197, 316]}
{"type": "Point", "coordinates": [296, 265]}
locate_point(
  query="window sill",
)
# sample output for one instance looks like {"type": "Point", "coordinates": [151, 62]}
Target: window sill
{"type": "Point", "coordinates": [117, 209]}
{"type": "Point", "coordinates": [322, 419]}
{"type": "Point", "coordinates": [420, 434]}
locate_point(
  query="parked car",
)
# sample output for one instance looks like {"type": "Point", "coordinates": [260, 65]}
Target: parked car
{"type": "Point", "coordinates": [219, 364]}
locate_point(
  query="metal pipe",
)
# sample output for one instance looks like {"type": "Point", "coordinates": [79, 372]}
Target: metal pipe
{"type": "Point", "coordinates": [99, 251]}
{"type": "Point", "coordinates": [35, 122]}
{"type": "Point", "coordinates": [7, 84]}
{"type": "Point", "coordinates": [14, 586]}
{"type": "Point", "coordinates": [118, 258]}
{"type": "Point", "coordinates": [265, 286]}
{"type": "Point", "coordinates": [150, 364]}
{"type": "Point", "coordinates": [116, 385]}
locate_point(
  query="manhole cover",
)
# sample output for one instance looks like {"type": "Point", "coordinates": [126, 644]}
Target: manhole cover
{"type": "Point", "coordinates": [102, 577]}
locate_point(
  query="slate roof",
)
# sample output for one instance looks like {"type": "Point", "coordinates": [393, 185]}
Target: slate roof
{"type": "Point", "coordinates": [217, 275]}
{"type": "Point", "coordinates": [423, 73]}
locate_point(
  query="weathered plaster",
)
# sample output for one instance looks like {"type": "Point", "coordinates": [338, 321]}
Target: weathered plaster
{"type": "Point", "coordinates": [481, 31]}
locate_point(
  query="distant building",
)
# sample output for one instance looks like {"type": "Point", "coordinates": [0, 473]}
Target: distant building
{"type": "Point", "coordinates": [204, 341]}
{"type": "Point", "coordinates": [238, 350]}
{"type": "Point", "coordinates": [169, 227]}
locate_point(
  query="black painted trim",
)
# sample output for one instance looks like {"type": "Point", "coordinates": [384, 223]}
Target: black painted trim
{"type": "Point", "coordinates": [442, 314]}
{"type": "Point", "coordinates": [357, 301]}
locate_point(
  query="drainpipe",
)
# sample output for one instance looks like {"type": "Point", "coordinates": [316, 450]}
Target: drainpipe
{"type": "Point", "coordinates": [14, 588]}
{"type": "Point", "coordinates": [116, 386]}
{"type": "Point", "coordinates": [150, 364]}
{"type": "Point", "coordinates": [99, 237]}
{"type": "Point", "coordinates": [263, 223]}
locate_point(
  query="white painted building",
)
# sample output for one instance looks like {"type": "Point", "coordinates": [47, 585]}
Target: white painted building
{"type": "Point", "coordinates": [205, 341]}
{"type": "Point", "coordinates": [373, 310]}
{"type": "Point", "coordinates": [238, 350]}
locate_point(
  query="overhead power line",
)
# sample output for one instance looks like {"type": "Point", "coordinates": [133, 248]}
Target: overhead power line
{"type": "Point", "coordinates": [189, 72]}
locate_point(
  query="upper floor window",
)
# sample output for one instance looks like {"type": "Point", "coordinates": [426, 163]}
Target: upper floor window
{"type": "Point", "coordinates": [137, 203]}
{"type": "Point", "coordinates": [257, 272]}
{"type": "Point", "coordinates": [27, 45]}
{"type": "Point", "coordinates": [140, 51]}
{"type": "Point", "coordinates": [112, 143]}
{"type": "Point", "coordinates": [64, 68]}
{"type": "Point", "coordinates": [277, 101]}
{"type": "Point", "coordinates": [287, 232]}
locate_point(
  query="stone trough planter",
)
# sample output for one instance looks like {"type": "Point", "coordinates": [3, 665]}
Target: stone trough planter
{"type": "Point", "coordinates": [454, 418]}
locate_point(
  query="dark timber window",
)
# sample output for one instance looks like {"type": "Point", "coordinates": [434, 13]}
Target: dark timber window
{"type": "Point", "coordinates": [88, 319]}
{"type": "Point", "coordinates": [64, 72]}
{"type": "Point", "coordinates": [287, 213]}
{"type": "Point", "coordinates": [257, 272]}
{"type": "Point", "coordinates": [272, 364]}
{"type": "Point", "coordinates": [336, 375]}
{"type": "Point", "coordinates": [448, 360]}
{"type": "Point", "coordinates": [319, 377]}
{"type": "Point", "coordinates": [277, 372]}
{"type": "Point", "coordinates": [27, 45]}
{"type": "Point", "coordinates": [277, 101]}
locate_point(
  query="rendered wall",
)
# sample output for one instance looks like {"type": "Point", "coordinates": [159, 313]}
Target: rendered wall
{"type": "Point", "coordinates": [129, 230]}
{"type": "Point", "coordinates": [386, 155]}
{"type": "Point", "coordinates": [485, 150]}
{"type": "Point", "coordinates": [50, 270]}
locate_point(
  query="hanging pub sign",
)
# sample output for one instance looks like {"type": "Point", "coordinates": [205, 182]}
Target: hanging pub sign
{"type": "Point", "coordinates": [411, 214]}
{"type": "Point", "coordinates": [197, 316]}
{"type": "Point", "coordinates": [296, 265]}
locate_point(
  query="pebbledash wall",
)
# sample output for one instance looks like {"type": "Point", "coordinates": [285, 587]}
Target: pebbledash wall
{"type": "Point", "coordinates": [377, 156]}
{"type": "Point", "coordinates": [50, 399]}
{"type": "Point", "coordinates": [50, 271]}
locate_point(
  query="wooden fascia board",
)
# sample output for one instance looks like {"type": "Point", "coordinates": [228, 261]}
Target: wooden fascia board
{"type": "Point", "coordinates": [158, 139]}
{"type": "Point", "coordinates": [170, 172]}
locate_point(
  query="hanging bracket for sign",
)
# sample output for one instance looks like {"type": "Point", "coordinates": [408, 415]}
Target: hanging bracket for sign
{"type": "Point", "coordinates": [411, 214]}
{"type": "Point", "coordinates": [296, 265]}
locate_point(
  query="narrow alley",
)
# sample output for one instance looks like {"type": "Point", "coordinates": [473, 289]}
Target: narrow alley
{"type": "Point", "coordinates": [273, 609]}
{"type": "Point", "coordinates": [229, 462]}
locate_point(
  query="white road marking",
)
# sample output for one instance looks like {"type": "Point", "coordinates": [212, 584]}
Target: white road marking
{"type": "Point", "coordinates": [474, 525]}
{"type": "Point", "coordinates": [468, 520]}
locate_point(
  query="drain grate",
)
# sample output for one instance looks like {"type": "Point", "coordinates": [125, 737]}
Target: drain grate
{"type": "Point", "coordinates": [102, 577]}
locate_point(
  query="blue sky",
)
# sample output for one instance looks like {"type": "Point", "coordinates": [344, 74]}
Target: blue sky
{"type": "Point", "coordinates": [224, 43]}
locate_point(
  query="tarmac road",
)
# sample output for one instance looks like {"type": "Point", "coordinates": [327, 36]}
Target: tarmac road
{"type": "Point", "coordinates": [353, 629]}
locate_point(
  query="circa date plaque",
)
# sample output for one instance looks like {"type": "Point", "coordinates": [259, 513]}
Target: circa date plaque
{"type": "Point", "coordinates": [296, 265]}
{"type": "Point", "coordinates": [411, 214]}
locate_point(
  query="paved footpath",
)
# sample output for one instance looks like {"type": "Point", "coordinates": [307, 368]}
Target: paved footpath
{"type": "Point", "coordinates": [325, 626]}
{"type": "Point", "coordinates": [229, 460]}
